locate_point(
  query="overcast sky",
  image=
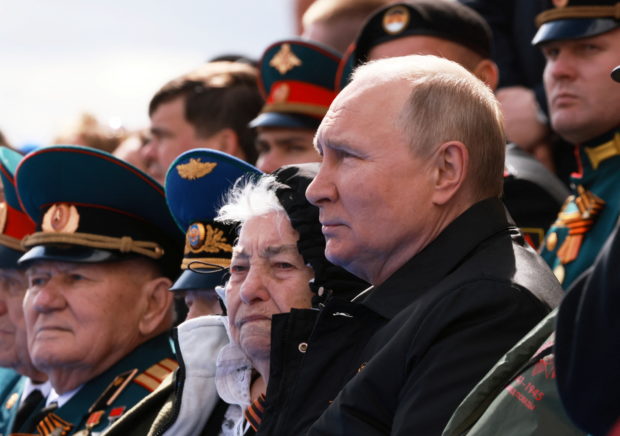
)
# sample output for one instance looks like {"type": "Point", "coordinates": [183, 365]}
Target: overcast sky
{"type": "Point", "coordinates": [62, 57]}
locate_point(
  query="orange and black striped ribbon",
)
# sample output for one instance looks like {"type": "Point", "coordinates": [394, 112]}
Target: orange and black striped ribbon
{"type": "Point", "coordinates": [254, 413]}
{"type": "Point", "coordinates": [53, 423]}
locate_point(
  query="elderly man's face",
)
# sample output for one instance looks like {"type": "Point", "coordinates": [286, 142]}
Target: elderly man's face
{"type": "Point", "coordinates": [584, 101]}
{"type": "Point", "coordinates": [82, 316]}
{"type": "Point", "coordinates": [373, 194]}
{"type": "Point", "coordinates": [13, 346]}
{"type": "Point", "coordinates": [267, 276]}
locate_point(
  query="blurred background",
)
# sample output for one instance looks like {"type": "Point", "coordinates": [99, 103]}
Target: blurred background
{"type": "Point", "coordinates": [62, 58]}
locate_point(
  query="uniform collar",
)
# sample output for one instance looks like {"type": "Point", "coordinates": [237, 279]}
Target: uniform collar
{"type": "Point", "coordinates": [601, 148]}
{"type": "Point", "coordinates": [438, 259]}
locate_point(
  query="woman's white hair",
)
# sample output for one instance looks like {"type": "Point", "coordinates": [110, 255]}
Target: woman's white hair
{"type": "Point", "coordinates": [248, 199]}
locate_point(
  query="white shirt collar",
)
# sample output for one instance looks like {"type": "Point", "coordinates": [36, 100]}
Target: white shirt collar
{"type": "Point", "coordinates": [61, 399]}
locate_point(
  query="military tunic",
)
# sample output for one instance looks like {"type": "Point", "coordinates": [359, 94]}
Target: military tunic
{"type": "Point", "coordinates": [105, 398]}
{"type": "Point", "coordinates": [590, 214]}
{"type": "Point", "coordinates": [11, 386]}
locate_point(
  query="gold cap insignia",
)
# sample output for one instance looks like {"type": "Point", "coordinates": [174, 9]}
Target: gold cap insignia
{"type": "Point", "coordinates": [195, 169]}
{"type": "Point", "coordinates": [395, 20]}
{"type": "Point", "coordinates": [280, 92]}
{"type": "Point", "coordinates": [560, 3]}
{"type": "Point", "coordinates": [61, 218]}
{"type": "Point", "coordinates": [3, 213]}
{"type": "Point", "coordinates": [285, 60]}
{"type": "Point", "coordinates": [201, 238]}
{"type": "Point", "coordinates": [196, 235]}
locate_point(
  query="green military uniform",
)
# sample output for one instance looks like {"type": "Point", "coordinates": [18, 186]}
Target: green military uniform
{"type": "Point", "coordinates": [518, 396]}
{"type": "Point", "coordinates": [105, 398]}
{"type": "Point", "coordinates": [590, 214]}
{"type": "Point", "coordinates": [11, 385]}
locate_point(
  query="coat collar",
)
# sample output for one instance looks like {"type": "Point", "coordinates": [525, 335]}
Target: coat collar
{"type": "Point", "coordinates": [438, 259]}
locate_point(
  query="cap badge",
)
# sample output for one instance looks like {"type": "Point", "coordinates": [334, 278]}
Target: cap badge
{"type": "Point", "coordinates": [196, 235]}
{"type": "Point", "coordinates": [195, 169]}
{"type": "Point", "coordinates": [3, 212]}
{"type": "Point", "coordinates": [395, 20]}
{"type": "Point", "coordinates": [560, 3]}
{"type": "Point", "coordinates": [285, 60]}
{"type": "Point", "coordinates": [61, 218]}
{"type": "Point", "coordinates": [201, 238]}
{"type": "Point", "coordinates": [280, 92]}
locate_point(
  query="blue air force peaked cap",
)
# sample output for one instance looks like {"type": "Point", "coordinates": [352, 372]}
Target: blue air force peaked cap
{"type": "Point", "coordinates": [572, 19]}
{"type": "Point", "coordinates": [90, 206]}
{"type": "Point", "coordinates": [196, 183]}
{"type": "Point", "coordinates": [14, 223]}
{"type": "Point", "coordinates": [449, 20]}
{"type": "Point", "coordinates": [297, 82]}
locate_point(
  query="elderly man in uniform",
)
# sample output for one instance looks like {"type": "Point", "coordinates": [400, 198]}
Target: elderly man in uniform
{"type": "Point", "coordinates": [99, 267]}
{"type": "Point", "coordinates": [297, 79]}
{"type": "Point", "coordinates": [532, 194]}
{"type": "Point", "coordinates": [408, 198]}
{"type": "Point", "coordinates": [209, 107]}
{"type": "Point", "coordinates": [581, 41]}
{"type": "Point", "coordinates": [22, 387]}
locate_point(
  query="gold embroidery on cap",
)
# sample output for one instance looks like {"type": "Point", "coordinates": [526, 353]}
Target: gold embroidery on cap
{"type": "Point", "coordinates": [61, 218]}
{"type": "Point", "coordinates": [212, 241]}
{"type": "Point", "coordinates": [3, 213]}
{"type": "Point", "coordinates": [285, 60]}
{"type": "Point", "coordinates": [195, 169]}
{"type": "Point", "coordinates": [395, 20]}
{"type": "Point", "coordinates": [281, 92]}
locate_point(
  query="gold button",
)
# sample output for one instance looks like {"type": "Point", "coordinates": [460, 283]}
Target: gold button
{"type": "Point", "coordinates": [303, 347]}
{"type": "Point", "coordinates": [552, 241]}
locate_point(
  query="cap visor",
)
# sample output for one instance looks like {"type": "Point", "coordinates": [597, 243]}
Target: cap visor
{"type": "Point", "coordinates": [275, 119]}
{"type": "Point", "coordinates": [68, 253]}
{"type": "Point", "coordinates": [193, 280]}
{"type": "Point", "coordinates": [573, 28]}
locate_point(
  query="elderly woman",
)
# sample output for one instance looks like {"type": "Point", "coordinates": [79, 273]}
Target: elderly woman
{"type": "Point", "coordinates": [278, 264]}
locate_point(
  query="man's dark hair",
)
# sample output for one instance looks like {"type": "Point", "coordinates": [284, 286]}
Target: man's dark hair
{"type": "Point", "coordinates": [218, 95]}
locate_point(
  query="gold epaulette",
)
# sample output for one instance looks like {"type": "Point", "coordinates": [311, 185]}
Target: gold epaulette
{"type": "Point", "coordinates": [153, 376]}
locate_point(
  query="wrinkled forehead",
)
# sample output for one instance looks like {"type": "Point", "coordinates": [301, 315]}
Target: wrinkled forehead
{"type": "Point", "coordinates": [266, 234]}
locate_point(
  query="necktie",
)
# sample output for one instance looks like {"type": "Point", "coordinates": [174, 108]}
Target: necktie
{"type": "Point", "coordinates": [27, 408]}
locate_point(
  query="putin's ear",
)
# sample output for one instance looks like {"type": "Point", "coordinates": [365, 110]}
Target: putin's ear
{"type": "Point", "coordinates": [451, 161]}
{"type": "Point", "coordinates": [487, 71]}
{"type": "Point", "coordinates": [157, 313]}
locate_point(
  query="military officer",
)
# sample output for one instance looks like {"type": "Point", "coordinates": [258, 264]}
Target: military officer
{"type": "Point", "coordinates": [532, 194]}
{"type": "Point", "coordinates": [22, 386]}
{"type": "Point", "coordinates": [195, 185]}
{"type": "Point", "coordinates": [97, 309]}
{"type": "Point", "coordinates": [581, 42]}
{"type": "Point", "coordinates": [297, 80]}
